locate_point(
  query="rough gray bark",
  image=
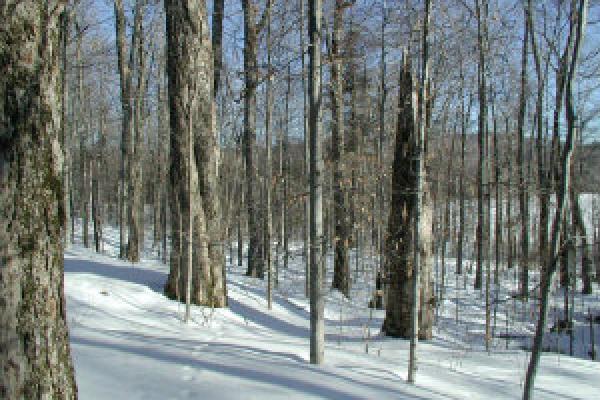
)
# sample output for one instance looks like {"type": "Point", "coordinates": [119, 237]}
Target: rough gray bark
{"type": "Point", "coordinates": [135, 238]}
{"type": "Point", "coordinates": [341, 271]}
{"type": "Point", "coordinates": [189, 70]}
{"type": "Point", "coordinates": [34, 346]}
{"type": "Point", "coordinates": [317, 298]}
{"type": "Point", "coordinates": [399, 258]}
{"type": "Point", "coordinates": [251, 32]}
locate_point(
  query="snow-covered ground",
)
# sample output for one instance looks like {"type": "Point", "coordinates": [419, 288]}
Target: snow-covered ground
{"type": "Point", "coordinates": [129, 341]}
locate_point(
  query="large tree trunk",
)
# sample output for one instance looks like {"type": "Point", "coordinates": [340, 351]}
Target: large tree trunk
{"type": "Point", "coordinates": [399, 243]}
{"type": "Point", "coordinates": [251, 32]}
{"type": "Point", "coordinates": [34, 346]}
{"type": "Point", "coordinates": [341, 271]}
{"type": "Point", "coordinates": [190, 74]}
{"type": "Point", "coordinates": [135, 239]}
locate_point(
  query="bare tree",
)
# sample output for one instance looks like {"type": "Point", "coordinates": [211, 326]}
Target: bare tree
{"type": "Point", "coordinates": [578, 24]}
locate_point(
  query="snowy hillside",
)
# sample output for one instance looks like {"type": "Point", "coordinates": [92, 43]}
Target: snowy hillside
{"type": "Point", "coordinates": [129, 342]}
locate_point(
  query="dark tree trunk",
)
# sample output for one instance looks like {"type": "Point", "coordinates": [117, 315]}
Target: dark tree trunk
{"type": "Point", "coordinates": [126, 109]}
{"type": "Point", "coordinates": [135, 238]}
{"type": "Point", "coordinates": [399, 240]}
{"type": "Point", "coordinates": [34, 345]}
{"type": "Point", "coordinates": [255, 231]}
{"type": "Point", "coordinates": [341, 272]}
{"type": "Point", "coordinates": [523, 189]}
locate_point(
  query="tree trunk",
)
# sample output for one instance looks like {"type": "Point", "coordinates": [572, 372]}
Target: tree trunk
{"type": "Point", "coordinates": [341, 272]}
{"type": "Point", "coordinates": [135, 239]}
{"type": "Point", "coordinates": [579, 13]}
{"type": "Point", "coordinates": [65, 132]}
{"type": "Point", "coordinates": [34, 346]}
{"type": "Point", "coordinates": [269, 165]}
{"type": "Point", "coordinates": [126, 122]}
{"type": "Point", "coordinates": [586, 258]}
{"type": "Point", "coordinates": [461, 184]}
{"type": "Point", "coordinates": [190, 74]}
{"type": "Point", "coordinates": [523, 189]}
{"type": "Point", "coordinates": [543, 187]}
{"type": "Point", "coordinates": [255, 231]}
{"type": "Point", "coordinates": [217, 43]}
{"type": "Point", "coordinates": [399, 243]}
{"type": "Point", "coordinates": [317, 298]}
{"type": "Point", "coordinates": [482, 46]}
{"type": "Point", "coordinates": [306, 180]}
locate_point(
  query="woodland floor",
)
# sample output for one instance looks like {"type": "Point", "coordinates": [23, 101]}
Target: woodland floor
{"type": "Point", "coordinates": [129, 342]}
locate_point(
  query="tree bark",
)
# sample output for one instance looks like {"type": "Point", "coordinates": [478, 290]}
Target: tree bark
{"type": "Point", "coordinates": [135, 238]}
{"type": "Point", "coordinates": [34, 345]}
{"type": "Point", "coordinates": [317, 298]}
{"type": "Point", "coordinates": [189, 69]}
{"type": "Point", "coordinates": [399, 259]}
{"type": "Point", "coordinates": [341, 272]}
{"type": "Point", "coordinates": [255, 231]}
{"type": "Point", "coordinates": [126, 122]}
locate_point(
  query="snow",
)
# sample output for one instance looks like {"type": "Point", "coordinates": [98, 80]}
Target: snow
{"type": "Point", "coordinates": [129, 341]}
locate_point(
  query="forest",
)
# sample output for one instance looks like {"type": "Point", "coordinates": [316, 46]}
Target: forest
{"type": "Point", "coordinates": [343, 199]}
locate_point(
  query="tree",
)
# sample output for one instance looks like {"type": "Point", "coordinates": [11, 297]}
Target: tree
{"type": "Point", "coordinates": [317, 299]}
{"type": "Point", "coordinates": [400, 238]}
{"type": "Point", "coordinates": [127, 112]}
{"type": "Point", "coordinates": [252, 29]}
{"type": "Point", "coordinates": [523, 193]}
{"type": "Point", "coordinates": [35, 357]}
{"type": "Point", "coordinates": [578, 23]}
{"type": "Point", "coordinates": [341, 271]}
{"type": "Point", "coordinates": [193, 171]}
